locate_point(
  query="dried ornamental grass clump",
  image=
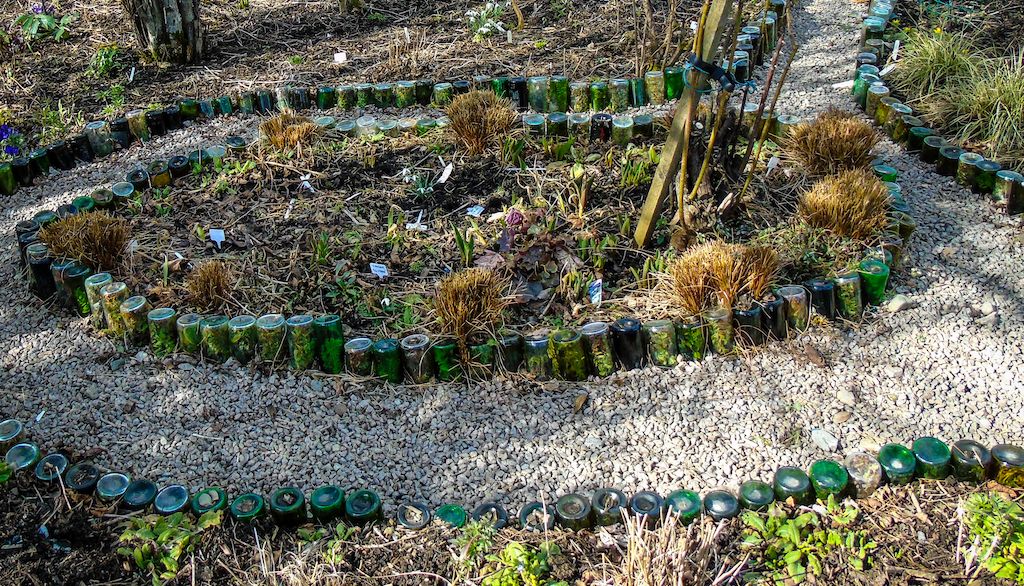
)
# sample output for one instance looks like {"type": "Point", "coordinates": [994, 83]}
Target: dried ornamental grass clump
{"type": "Point", "coordinates": [468, 302]}
{"type": "Point", "coordinates": [93, 238]}
{"type": "Point", "coordinates": [835, 141]}
{"type": "Point", "coordinates": [210, 285]}
{"type": "Point", "coordinates": [718, 274]}
{"type": "Point", "coordinates": [288, 131]}
{"type": "Point", "coordinates": [852, 204]}
{"type": "Point", "coordinates": [480, 120]}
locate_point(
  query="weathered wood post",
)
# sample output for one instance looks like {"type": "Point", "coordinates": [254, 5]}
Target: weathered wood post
{"type": "Point", "coordinates": [170, 30]}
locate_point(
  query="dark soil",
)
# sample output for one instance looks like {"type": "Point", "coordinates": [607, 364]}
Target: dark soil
{"type": "Point", "coordinates": [998, 26]}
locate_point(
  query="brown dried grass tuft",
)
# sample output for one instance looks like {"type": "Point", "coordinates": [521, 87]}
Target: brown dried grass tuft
{"type": "Point", "coordinates": [469, 302]}
{"type": "Point", "coordinates": [718, 274]}
{"type": "Point", "coordinates": [210, 285]}
{"type": "Point", "coordinates": [852, 204]}
{"type": "Point", "coordinates": [288, 131]}
{"type": "Point", "coordinates": [835, 141]}
{"type": "Point", "coordinates": [480, 120]}
{"type": "Point", "coordinates": [95, 239]}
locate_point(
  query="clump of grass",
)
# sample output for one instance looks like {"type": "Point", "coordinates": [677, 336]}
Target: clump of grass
{"type": "Point", "coordinates": [852, 204]}
{"type": "Point", "coordinates": [480, 120]}
{"type": "Point", "coordinates": [931, 62]}
{"type": "Point", "coordinates": [987, 109]}
{"type": "Point", "coordinates": [288, 131]}
{"type": "Point", "coordinates": [469, 302]}
{"type": "Point", "coordinates": [95, 239]}
{"type": "Point", "coordinates": [807, 252]}
{"type": "Point", "coordinates": [835, 141]}
{"type": "Point", "coordinates": [210, 284]}
{"type": "Point", "coordinates": [673, 554]}
{"type": "Point", "coordinates": [718, 274]}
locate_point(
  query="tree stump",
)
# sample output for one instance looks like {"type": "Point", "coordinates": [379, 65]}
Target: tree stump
{"type": "Point", "coordinates": [170, 30]}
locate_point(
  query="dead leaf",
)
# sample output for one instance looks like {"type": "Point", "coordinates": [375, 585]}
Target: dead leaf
{"type": "Point", "coordinates": [581, 400]}
{"type": "Point", "coordinates": [812, 355]}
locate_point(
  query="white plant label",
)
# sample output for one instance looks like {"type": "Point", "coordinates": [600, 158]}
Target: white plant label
{"type": "Point", "coordinates": [895, 51]}
{"type": "Point", "coordinates": [475, 211]}
{"type": "Point", "coordinates": [418, 224]}
{"type": "Point", "coordinates": [693, 25]}
{"type": "Point", "coordinates": [216, 236]}
{"type": "Point", "coordinates": [843, 85]}
{"type": "Point", "coordinates": [446, 173]}
{"type": "Point", "coordinates": [340, 57]}
{"type": "Point", "coordinates": [508, 37]}
{"type": "Point", "coordinates": [886, 70]}
{"type": "Point", "coordinates": [596, 292]}
{"type": "Point", "coordinates": [380, 270]}
{"type": "Point", "coordinates": [288, 211]}
{"type": "Point", "coordinates": [772, 164]}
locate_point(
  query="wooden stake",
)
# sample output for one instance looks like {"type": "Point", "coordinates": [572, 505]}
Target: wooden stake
{"type": "Point", "coordinates": [671, 155]}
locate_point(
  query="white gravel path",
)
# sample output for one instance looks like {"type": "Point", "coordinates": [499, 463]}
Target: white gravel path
{"type": "Point", "coordinates": [936, 369]}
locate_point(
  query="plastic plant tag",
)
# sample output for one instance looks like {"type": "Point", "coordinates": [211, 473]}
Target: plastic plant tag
{"type": "Point", "coordinates": [446, 173]}
{"type": "Point", "coordinates": [216, 236]}
{"type": "Point", "coordinates": [131, 75]}
{"type": "Point", "coordinates": [288, 211]}
{"type": "Point", "coordinates": [895, 56]}
{"type": "Point", "coordinates": [380, 270]}
{"type": "Point", "coordinates": [843, 85]}
{"type": "Point", "coordinates": [475, 211]}
{"type": "Point", "coordinates": [508, 36]}
{"type": "Point", "coordinates": [418, 224]}
{"type": "Point", "coordinates": [39, 417]}
{"type": "Point", "coordinates": [772, 164]}
{"type": "Point", "coordinates": [693, 25]}
{"type": "Point", "coordinates": [305, 183]}
{"type": "Point", "coordinates": [595, 291]}
{"type": "Point", "coordinates": [340, 57]}
{"type": "Point", "coordinates": [887, 70]}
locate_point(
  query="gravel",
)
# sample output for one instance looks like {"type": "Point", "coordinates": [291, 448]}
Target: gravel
{"type": "Point", "coordinates": [947, 365]}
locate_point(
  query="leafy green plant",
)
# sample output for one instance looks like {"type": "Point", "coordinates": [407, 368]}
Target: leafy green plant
{"type": "Point", "coordinates": [333, 551]}
{"type": "Point", "coordinates": [521, 565]}
{"type": "Point", "coordinates": [56, 123]}
{"type": "Point", "coordinates": [512, 152]}
{"type": "Point", "coordinates": [788, 550]}
{"type": "Point", "coordinates": [157, 544]}
{"type": "Point", "coordinates": [296, 59]}
{"type": "Point", "coordinates": [635, 166]}
{"type": "Point", "coordinates": [377, 17]}
{"type": "Point", "coordinates": [471, 545]}
{"type": "Point", "coordinates": [997, 535]}
{"type": "Point", "coordinates": [321, 248]}
{"type": "Point", "coordinates": [5, 473]}
{"type": "Point", "coordinates": [644, 275]}
{"type": "Point", "coordinates": [419, 185]}
{"type": "Point", "coordinates": [113, 98]}
{"type": "Point", "coordinates": [104, 61]}
{"type": "Point", "coordinates": [930, 62]}
{"type": "Point", "coordinates": [42, 23]}
{"type": "Point", "coordinates": [466, 245]}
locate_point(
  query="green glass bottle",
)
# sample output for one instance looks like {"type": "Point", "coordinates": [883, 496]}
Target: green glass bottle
{"type": "Point", "coordinates": [189, 337]}
{"type": "Point", "coordinates": [537, 357]}
{"type": "Point", "coordinates": [967, 169]}
{"type": "Point", "coordinates": [573, 512]}
{"type": "Point", "coordinates": [364, 95]}
{"type": "Point", "coordinates": [163, 338]}
{"type": "Point", "coordinates": [684, 505]}
{"type": "Point", "coordinates": [7, 184]}
{"type": "Point", "coordinates": [568, 356]}
{"type": "Point", "coordinates": [247, 507]}
{"type": "Point", "coordinates": [598, 343]}
{"type": "Point", "coordinates": [655, 85]}
{"type": "Point", "coordinates": [363, 506]}
{"type": "Point", "coordinates": [384, 95]}
{"type": "Point", "coordinates": [510, 350]}
{"type": "Point", "coordinates": [660, 336]}
{"type": "Point", "coordinates": [637, 92]}
{"type": "Point", "coordinates": [446, 359]}
{"type": "Point", "coordinates": [874, 276]}
{"type": "Point", "coordinates": [209, 499]}
{"type": "Point", "coordinates": [325, 98]}
{"type": "Point", "coordinates": [405, 94]}
{"type": "Point", "coordinates": [301, 342]}
{"type": "Point", "coordinates": [113, 295]}
{"type": "Point", "coordinates": [558, 93]}
{"type": "Point", "coordinates": [598, 96]}
{"type": "Point", "coordinates": [451, 514]}
{"type": "Point", "coordinates": [499, 85]}
{"type": "Point", "coordinates": [345, 96]}
{"type": "Point", "coordinates": [792, 482]}
{"type": "Point", "coordinates": [721, 504]}
{"type": "Point", "coordinates": [481, 356]}
{"type": "Point", "coordinates": [898, 463]}
{"type": "Point", "coordinates": [537, 88]}
{"type": "Point", "coordinates": [579, 96]}
{"type": "Point", "coordinates": [330, 343]}
{"type": "Point", "coordinates": [933, 458]}
{"type": "Point", "coordinates": [288, 506]}
{"type": "Point", "coordinates": [327, 503]}
{"type": "Point", "coordinates": [828, 478]}
{"type": "Point", "coordinates": [271, 337]}
{"type": "Point", "coordinates": [216, 338]}
{"type": "Point", "coordinates": [972, 461]}
{"type": "Point", "coordinates": [849, 298]}
{"type": "Point", "coordinates": [74, 284]}
{"type": "Point", "coordinates": [673, 77]}
{"type": "Point", "coordinates": [243, 338]}
{"type": "Point", "coordinates": [1008, 461]}
{"type": "Point", "coordinates": [722, 336]}
{"type": "Point", "coordinates": [618, 95]}
{"type": "Point", "coordinates": [387, 360]}
{"type": "Point", "coordinates": [691, 338]}
{"type": "Point", "coordinates": [756, 495]}
{"type": "Point", "coordinates": [796, 304]}
{"type": "Point", "coordinates": [622, 130]}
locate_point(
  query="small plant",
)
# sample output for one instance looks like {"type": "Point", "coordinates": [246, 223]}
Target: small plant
{"type": "Point", "coordinates": [43, 22]}
{"type": "Point", "coordinates": [157, 544]}
{"type": "Point", "coordinates": [635, 167]}
{"type": "Point", "coordinates": [468, 302]}
{"type": "Point", "coordinates": [465, 242]}
{"type": "Point", "coordinates": [321, 248]}
{"type": "Point", "coordinates": [807, 252]}
{"type": "Point", "coordinates": [113, 98]}
{"type": "Point", "coordinates": [377, 17]}
{"type": "Point", "coordinates": [521, 565]}
{"type": "Point", "coordinates": [296, 59]}
{"type": "Point", "coordinates": [334, 550]}
{"type": "Point", "coordinates": [835, 141]}
{"type": "Point", "coordinates": [790, 551]}
{"type": "Point", "coordinates": [471, 545]}
{"type": "Point", "coordinates": [996, 526]}
{"type": "Point", "coordinates": [5, 473]}
{"type": "Point", "coordinates": [512, 148]}
{"type": "Point", "coordinates": [57, 123]}
{"type": "Point", "coordinates": [852, 204]}
{"type": "Point", "coordinates": [104, 62]}
{"type": "Point", "coordinates": [288, 131]}
{"type": "Point", "coordinates": [93, 238]}
{"type": "Point", "coordinates": [486, 21]}
{"type": "Point", "coordinates": [480, 120]}
{"type": "Point", "coordinates": [419, 185]}
{"type": "Point", "coordinates": [210, 284]}
{"type": "Point", "coordinates": [11, 140]}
